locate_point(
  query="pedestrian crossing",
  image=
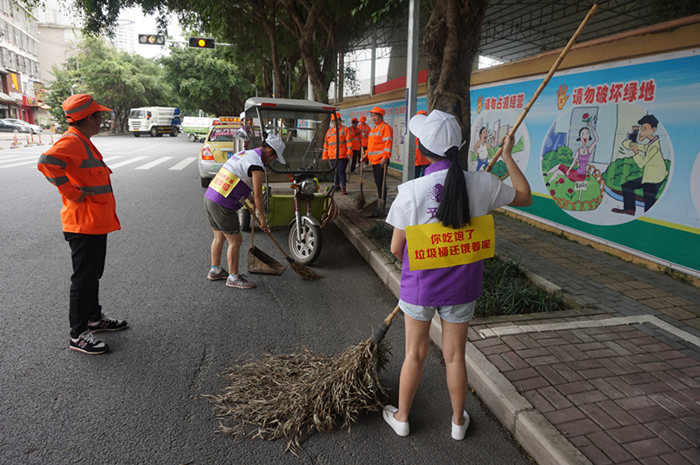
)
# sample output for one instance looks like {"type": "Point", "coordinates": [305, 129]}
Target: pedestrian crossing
{"type": "Point", "coordinates": [115, 162]}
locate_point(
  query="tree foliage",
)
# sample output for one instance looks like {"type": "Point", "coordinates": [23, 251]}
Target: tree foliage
{"type": "Point", "coordinates": [118, 80]}
{"type": "Point", "coordinates": [206, 80]}
{"type": "Point", "coordinates": [288, 39]}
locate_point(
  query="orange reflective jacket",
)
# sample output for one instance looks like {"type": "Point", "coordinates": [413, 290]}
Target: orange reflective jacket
{"type": "Point", "coordinates": [330, 146]}
{"type": "Point", "coordinates": [381, 139]}
{"type": "Point", "coordinates": [364, 132]}
{"type": "Point", "coordinates": [355, 136]}
{"type": "Point", "coordinates": [420, 159]}
{"type": "Point", "coordinates": [74, 165]}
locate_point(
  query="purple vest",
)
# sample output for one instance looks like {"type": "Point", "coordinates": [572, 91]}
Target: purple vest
{"type": "Point", "coordinates": [442, 286]}
{"type": "Point", "coordinates": [241, 191]}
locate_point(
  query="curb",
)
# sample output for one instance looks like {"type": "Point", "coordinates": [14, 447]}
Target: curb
{"type": "Point", "coordinates": [542, 441]}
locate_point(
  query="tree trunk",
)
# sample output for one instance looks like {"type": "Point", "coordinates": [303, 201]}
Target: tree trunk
{"type": "Point", "coordinates": [451, 43]}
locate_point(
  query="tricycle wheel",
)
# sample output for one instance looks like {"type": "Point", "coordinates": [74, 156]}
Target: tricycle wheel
{"type": "Point", "coordinates": [308, 249]}
{"type": "Point", "coordinates": [193, 138]}
{"type": "Point", "coordinates": [244, 219]}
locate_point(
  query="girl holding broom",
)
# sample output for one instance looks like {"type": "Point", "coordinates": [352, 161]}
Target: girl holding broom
{"type": "Point", "coordinates": [448, 195]}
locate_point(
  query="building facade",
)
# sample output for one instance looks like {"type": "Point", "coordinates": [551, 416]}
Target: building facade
{"type": "Point", "coordinates": [20, 72]}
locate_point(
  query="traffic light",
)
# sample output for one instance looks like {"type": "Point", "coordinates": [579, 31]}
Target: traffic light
{"type": "Point", "coordinates": [201, 42]}
{"type": "Point", "coordinates": [151, 39]}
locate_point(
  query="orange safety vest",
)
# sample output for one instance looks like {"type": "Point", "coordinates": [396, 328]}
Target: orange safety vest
{"type": "Point", "coordinates": [364, 131]}
{"type": "Point", "coordinates": [380, 141]}
{"type": "Point", "coordinates": [74, 165]}
{"type": "Point", "coordinates": [420, 159]}
{"type": "Point", "coordinates": [330, 146]}
{"type": "Point", "coordinates": [355, 136]}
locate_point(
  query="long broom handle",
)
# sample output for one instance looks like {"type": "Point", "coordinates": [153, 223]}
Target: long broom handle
{"type": "Point", "coordinates": [252, 213]}
{"type": "Point", "coordinates": [543, 84]}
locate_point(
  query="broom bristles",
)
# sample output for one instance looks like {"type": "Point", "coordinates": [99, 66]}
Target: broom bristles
{"type": "Point", "coordinates": [304, 271]}
{"type": "Point", "coordinates": [293, 396]}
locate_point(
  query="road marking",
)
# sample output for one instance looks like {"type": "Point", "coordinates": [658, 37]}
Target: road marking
{"type": "Point", "coordinates": [111, 158]}
{"type": "Point", "coordinates": [150, 165]}
{"type": "Point", "coordinates": [127, 162]}
{"type": "Point", "coordinates": [26, 157]}
{"type": "Point", "coordinates": [33, 162]}
{"type": "Point", "coordinates": [183, 163]}
{"type": "Point", "coordinates": [627, 320]}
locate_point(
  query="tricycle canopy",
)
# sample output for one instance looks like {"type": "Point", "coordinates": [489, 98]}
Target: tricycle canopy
{"type": "Point", "coordinates": [300, 123]}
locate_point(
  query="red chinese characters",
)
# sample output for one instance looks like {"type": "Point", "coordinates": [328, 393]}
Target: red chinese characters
{"type": "Point", "coordinates": [616, 92]}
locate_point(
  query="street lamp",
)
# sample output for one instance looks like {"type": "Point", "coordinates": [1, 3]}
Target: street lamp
{"type": "Point", "coordinates": [73, 87]}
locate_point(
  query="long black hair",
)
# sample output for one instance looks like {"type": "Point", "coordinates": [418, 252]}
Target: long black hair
{"type": "Point", "coordinates": [453, 211]}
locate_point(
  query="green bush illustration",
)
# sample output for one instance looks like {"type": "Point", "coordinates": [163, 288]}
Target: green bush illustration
{"type": "Point", "coordinates": [626, 169]}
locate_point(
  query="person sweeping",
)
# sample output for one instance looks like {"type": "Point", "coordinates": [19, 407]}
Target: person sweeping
{"type": "Point", "coordinates": [441, 224]}
{"type": "Point", "coordinates": [241, 176]}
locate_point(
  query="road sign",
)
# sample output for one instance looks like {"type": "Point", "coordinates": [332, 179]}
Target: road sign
{"type": "Point", "coordinates": [151, 39]}
{"type": "Point", "coordinates": [201, 42]}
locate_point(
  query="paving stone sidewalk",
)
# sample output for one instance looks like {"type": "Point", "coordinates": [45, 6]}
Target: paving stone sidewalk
{"type": "Point", "coordinates": [619, 377]}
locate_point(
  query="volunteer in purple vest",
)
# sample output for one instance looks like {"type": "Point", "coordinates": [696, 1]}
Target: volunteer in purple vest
{"type": "Point", "coordinates": [240, 176]}
{"type": "Point", "coordinates": [449, 195]}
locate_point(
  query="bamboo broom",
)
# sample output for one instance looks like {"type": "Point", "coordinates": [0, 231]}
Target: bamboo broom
{"type": "Point", "coordinates": [544, 83]}
{"type": "Point", "coordinates": [293, 396]}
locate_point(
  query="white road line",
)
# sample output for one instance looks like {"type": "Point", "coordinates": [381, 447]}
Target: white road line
{"type": "Point", "coordinates": [183, 163]}
{"type": "Point", "coordinates": [150, 165]}
{"type": "Point", "coordinates": [26, 157]}
{"type": "Point", "coordinates": [33, 162]}
{"type": "Point", "coordinates": [112, 158]}
{"type": "Point", "coordinates": [627, 320]}
{"type": "Point", "coordinates": [127, 162]}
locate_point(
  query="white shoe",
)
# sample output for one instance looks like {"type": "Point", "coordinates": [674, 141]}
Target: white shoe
{"type": "Point", "coordinates": [399, 427]}
{"type": "Point", "coordinates": [459, 431]}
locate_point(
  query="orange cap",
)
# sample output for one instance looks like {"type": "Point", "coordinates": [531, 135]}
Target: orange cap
{"type": "Point", "coordinates": [80, 106]}
{"type": "Point", "coordinates": [422, 112]}
{"type": "Point", "coordinates": [378, 110]}
{"type": "Point", "coordinates": [362, 119]}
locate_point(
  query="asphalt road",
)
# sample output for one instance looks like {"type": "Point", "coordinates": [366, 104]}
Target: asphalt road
{"type": "Point", "coordinates": [141, 403]}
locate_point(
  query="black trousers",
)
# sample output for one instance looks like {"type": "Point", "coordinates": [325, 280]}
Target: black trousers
{"type": "Point", "coordinates": [355, 159]}
{"type": "Point", "coordinates": [378, 171]}
{"type": "Point", "coordinates": [649, 190]}
{"type": "Point", "coordinates": [88, 254]}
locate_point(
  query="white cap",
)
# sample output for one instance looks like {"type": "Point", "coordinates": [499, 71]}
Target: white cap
{"type": "Point", "coordinates": [242, 116]}
{"type": "Point", "coordinates": [277, 145]}
{"type": "Point", "coordinates": [437, 132]}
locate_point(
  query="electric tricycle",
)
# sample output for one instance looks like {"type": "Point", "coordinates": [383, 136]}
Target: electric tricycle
{"type": "Point", "coordinates": [292, 193]}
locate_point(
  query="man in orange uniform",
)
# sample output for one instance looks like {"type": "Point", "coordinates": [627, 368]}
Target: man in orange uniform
{"type": "Point", "coordinates": [420, 161]}
{"type": "Point", "coordinates": [74, 165]}
{"type": "Point", "coordinates": [355, 136]}
{"type": "Point", "coordinates": [379, 143]}
{"type": "Point", "coordinates": [364, 131]}
{"type": "Point", "coordinates": [343, 146]}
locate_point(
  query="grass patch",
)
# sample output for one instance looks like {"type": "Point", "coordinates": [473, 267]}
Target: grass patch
{"type": "Point", "coordinates": [380, 233]}
{"type": "Point", "coordinates": [507, 291]}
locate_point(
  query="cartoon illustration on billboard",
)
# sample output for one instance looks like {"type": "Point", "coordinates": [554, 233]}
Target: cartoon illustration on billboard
{"type": "Point", "coordinates": [489, 129]}
{"type": "Point", "coordinates": [606, 161]}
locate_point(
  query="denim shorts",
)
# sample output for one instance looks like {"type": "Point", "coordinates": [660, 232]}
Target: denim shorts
{"type": "Point", "coordinates": [451, 313]}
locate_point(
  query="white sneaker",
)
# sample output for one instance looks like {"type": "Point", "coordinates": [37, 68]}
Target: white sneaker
{"type": "Point", "coordinates": [399, 427]}
{"type": "Point", "coordinates": [459, 431]}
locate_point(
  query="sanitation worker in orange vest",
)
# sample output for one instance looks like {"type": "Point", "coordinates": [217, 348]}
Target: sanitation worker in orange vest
{"type": "Point", "coordinates": [364, 133]}
{"type": "Point", "coordinates": [74, 165]}
{"type": "Point", "coordinates": [355, 136]}
{"type": "Point", "coordinates": [380, 141]}
{"type": "Point", "coordinates": [343, 145]}
{"type": "Point", "coordinates": [420, 161]}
